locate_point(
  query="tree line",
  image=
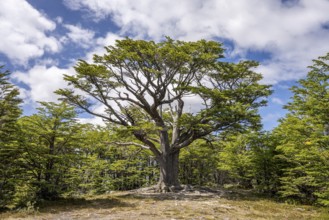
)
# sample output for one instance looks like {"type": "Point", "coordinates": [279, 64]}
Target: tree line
{"type": "Point", "coordinates": [151, 136]}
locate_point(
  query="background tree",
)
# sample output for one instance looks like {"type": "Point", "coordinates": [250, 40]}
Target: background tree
{"type": "Point", "coordinates": [150, 77]}
{"type": "Point", "coordinates": [198, 164]}
{"type": "Point", "coordinates": [266, 167]}
{"type": "Point", "coordinates": [235, 158]}
{"type": "Point", "coordinates": [52, 145]}
{"type": "Point", "coordinates": [9, 151]}
{"type": "Point", "coordinates": [106, 167]}
{"type": "Point", "coordinates": [304, 145]}
{"type": "Point", "coordinates": [249, 160]}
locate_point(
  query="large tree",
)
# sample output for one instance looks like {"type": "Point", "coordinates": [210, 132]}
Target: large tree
{"type": "Point", "coordinates": [167, 94]}
{"type": "Point", "coordinates": [304, 138]}
{"type": "Point", "coordinates": [9, 113]}
{"type": "Point", "coordinates": [52, 145]}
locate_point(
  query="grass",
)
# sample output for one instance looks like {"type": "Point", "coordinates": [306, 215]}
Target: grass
{"type": "Point", "coordinates": [134, 205]}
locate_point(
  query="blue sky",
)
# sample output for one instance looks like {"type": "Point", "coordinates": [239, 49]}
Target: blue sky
{"type": "Point", "coordinates": [42, 39]}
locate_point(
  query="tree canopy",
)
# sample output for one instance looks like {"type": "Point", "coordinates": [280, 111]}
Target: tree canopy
{"type": "Point", "coordinates": [9, 113]}
{"type": "Point", "coordinates": [157, 80]}
{"type": "Point", "coordinates": [304, 140]}
{"type": "Point", "coordinates": [172, 106]}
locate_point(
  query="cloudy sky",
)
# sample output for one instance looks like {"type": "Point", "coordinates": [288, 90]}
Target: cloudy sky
{"type": "Point", "coordinates": [42, 39]}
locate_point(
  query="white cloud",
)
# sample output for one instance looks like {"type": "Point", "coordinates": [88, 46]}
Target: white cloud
{"type": "Point", "coordinates": [23, 32]}
{"type": "Point", "coordinates": [100, 109]}
{"type": "Point", "coordinates": [59, 19]}
{"type": "Point", "coordinates": [45, 77]}
{"type": "Point", "coordinates": [82, 37]}
{"type": "Point", "coordinates": [271, 116]}
{"type": "Point", "coordinates": [277, 100]}
{"type": "Point", "coordinates": [42, 82]}
{"type": "Point", "coordinates": [101, 42]}
{"type": "Point", "coordinates": [292, 31]}
{"type": "Point", "coordinates": [93, 120]}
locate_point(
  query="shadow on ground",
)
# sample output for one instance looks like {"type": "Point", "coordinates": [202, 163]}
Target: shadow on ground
{"type": "Point", "coordinates": [80, 203]}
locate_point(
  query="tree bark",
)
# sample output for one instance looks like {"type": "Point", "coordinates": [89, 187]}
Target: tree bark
{"type": "Point", "coordinates": [169, 168]}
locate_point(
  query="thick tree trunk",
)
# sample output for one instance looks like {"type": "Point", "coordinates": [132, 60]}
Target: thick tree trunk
{"type": "Point", "coordinates": [168, 158]}
{"type": "Point", "coordinates": [169, 168]}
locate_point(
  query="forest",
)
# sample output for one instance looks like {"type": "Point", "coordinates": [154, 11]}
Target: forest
{"type": "Point", "coordinates": [153, 137]}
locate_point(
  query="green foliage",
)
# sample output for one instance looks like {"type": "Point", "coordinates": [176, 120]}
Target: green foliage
{"type": "Point", "coordinates": [304, 150]}
{"type": "Point", "coordinates": [51, 145]}
{"type": "Point", "coordinates": [266, 168]}
{"type": "Point", "coordinates": [104, 166]}
{"type": "Point", "coordinates": [198, 164]}
{"type": "Point", "coordinates": [304, 145]}
{"type": "Point", "coordinates": [9, 151]}
{"type": "Point", "coordinates": [235, 158]}
{"type": "Point", "coordinates": [144, 87]}
{"type": "Point", "coordinates": [250, 160]}
{"type": "Point", "coordinates": [135, 80]}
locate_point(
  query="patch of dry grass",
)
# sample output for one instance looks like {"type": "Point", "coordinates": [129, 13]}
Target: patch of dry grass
{"type": "Point", "coordinates": [196, 205]}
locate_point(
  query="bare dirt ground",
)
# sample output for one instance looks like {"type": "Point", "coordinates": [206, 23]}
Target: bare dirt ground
{"type": "Point", "coordinates": [146, 205]}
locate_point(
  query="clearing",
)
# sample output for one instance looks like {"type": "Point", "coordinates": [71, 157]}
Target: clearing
{"type": "Point", "coordinates": [195, 205]}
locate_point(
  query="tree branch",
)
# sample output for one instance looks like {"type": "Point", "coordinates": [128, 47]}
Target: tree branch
{"type": "Point", "coordinates": [129, 144]}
